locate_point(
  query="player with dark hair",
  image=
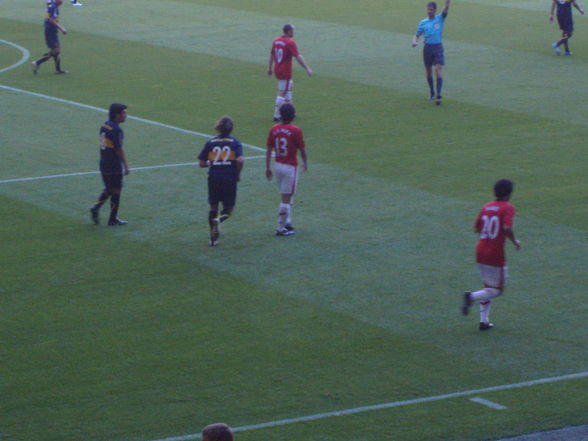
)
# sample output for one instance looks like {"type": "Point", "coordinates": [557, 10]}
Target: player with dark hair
{"type": "Point", "coordinates": [113, 163]}
{"type": "Point", "coordinates": [75, 3]}
{"type": "Point", "coordinates": [494, 225]}
{"type": "Point", "coordinates": [52, 37]}
{"type": "Point", "coordinates": [223, 154]}
{"type": "Point", "coordinates": [432, 28]}
{"type": "Point", "coordinates": [565, 21]}
{"type": "Point", "coordinates": [217, 432]}
{"type": "Point", "coordinates": [285, 140]}
{"type": "Point", "coordinates": [280, 62]}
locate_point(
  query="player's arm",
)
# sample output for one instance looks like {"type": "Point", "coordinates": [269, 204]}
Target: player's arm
{"type": "Point", "coordinates": [123, 158]}
{"type": "Point", "coordinates": [580, 10]}
{"type": "Point", "coordinates": [446, 8]}
{"type": "Point", "coordinates": [509, 232]}
{"type": "Point", "coordinates": [268, 161]}
{"type": "Point", "coordinates": [57, 25]}
{"type": "Point", "coordinates": [301, 61]}
{"type": "Point", "coordinates": [416, 36]}
{"type": "Point", "coordinates": [304, 159]}
{"type": "Point", "coordinates": [270, 63]}
{"type": "Point", "coordinates": [240, 163]}
{"type": "Point", "coordinates": [552, 11]}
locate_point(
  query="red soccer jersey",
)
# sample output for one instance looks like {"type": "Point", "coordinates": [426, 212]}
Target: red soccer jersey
{"type": "Point", "coordinates": [491, 223]}
{"type": "Point", "coordinates": [283, 49]}
{"type": "Point", "coordinates": [286, 140]}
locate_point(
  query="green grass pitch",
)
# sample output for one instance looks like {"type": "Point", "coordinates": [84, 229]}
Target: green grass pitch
{"type": "Point", "coordinates": [144, 333]}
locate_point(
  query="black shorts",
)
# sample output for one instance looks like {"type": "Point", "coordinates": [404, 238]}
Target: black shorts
{"type": "Point", "coordinates": [112, 180]}
{"type": "Point", "coordinates": [433, 54]}
{"type": "Point", "coordinates": [566, 25]}
{"type": "Point", "coordinates": [222, 188]}
{"type": "Point", "coordinates": [52, 39]}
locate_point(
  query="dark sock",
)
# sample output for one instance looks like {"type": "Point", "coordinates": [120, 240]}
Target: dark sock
{"type": "Point", "coordinates": [101, 199]}
{"type": "Point", "coordinates": [114, 203]}
{"type": "Point", "coordinates": [560, 42]}
{"type": "Point", "coordinates": [225, 214]}
{"type": "Point", "coordinates": [566, 45]}
{"type": "Point", "coordinates": [44, 58]}
{"type": "Point", "coordinates": [439, 87]}
{"type": "Point", "coordinates": [212, 214]}
{"type": "Point", "coordinates": [57, 59]}
{"type": "Point", "coordinates": [430, 81]}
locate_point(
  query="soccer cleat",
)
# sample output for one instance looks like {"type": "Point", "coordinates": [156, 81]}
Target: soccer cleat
{"type": "Point", "coordinates": [283, 231]}
{"type": "Point", "coordinates": [486, 326]}
{"type": "Point", "coordinates": [94, 215]}
{"type": "Point", "coordinates": [212, 243]}
{"type": "Point", "coordinates": [289, 227]}
{"type": "Point", "coordinates": [117, 221]}
{"type": "Point", "coordinates": [568, 53]}
{"type": "Point", "coordinates": [35, 67]}
{"type": "Point", "coordinates": [431, 98]}
{"type": "Point", "coordinates": [467, 303]}
{"type": "Point", "coordinates": [75, 3]}
{"type": "Point", "coordinates": [60, 72]}
{"type": "Point", "coordinates": [555, 48]}
{"type": "Point", "coordinates": [438, 101]}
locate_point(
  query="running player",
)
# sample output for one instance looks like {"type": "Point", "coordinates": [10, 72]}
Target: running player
{"type": "Point", "coordinates": [494, 225]}
{"type": "Point", "coordinates": [223, 154]}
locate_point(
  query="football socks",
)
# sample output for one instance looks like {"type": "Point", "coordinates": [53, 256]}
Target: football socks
{"type": "Point", "coordinates": [114, 203]}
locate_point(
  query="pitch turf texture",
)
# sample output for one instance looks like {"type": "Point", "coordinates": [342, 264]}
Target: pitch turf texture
{"type": "Point", "coordinates": [143, 332]}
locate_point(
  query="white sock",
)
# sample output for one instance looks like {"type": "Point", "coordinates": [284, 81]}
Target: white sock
{"type": "Point", "coordinates": [485, 294]}
{"type": "Point", "coordinates": [279, 101]}
{"type": "Point", "coordinates": [283, 214]}
{"type": "Point", "coordinates": [485, 311]}
{"type": "Point", "coordinates": [289, 215]}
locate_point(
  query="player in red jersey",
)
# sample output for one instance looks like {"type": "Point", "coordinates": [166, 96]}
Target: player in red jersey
{"type": "Point", "coordinates": [280, 62]}
{"type": "Point", "coordinates": [286, 140]}
{"type": "Point", "coordinates": [494, 224]}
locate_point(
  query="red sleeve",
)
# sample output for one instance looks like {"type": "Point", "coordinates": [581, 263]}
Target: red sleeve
{"type": "Point", "coordinates": [509, 215]}
{"type": "Point", "coordinates": [293, 48]}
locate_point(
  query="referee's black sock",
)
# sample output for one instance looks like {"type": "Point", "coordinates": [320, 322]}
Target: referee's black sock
{"type": "Point", "coordinates": [225, 214]}
{"type": "Point", "coordinates": [114, 203]}
{"type": "Point", "coordinates": [212, 214]}
{"type": "Point", "coordinates": [101, 199]}
{"type": "Point", "coordinates": [57, 59]}
{"type": "Point", "coordinates": [439, 86]}
{"type": "Point", "coordinates": [566, 45]}
{"type": "Point", "coordinates": [430, 81]}
{"type": "Point", "coordinates": [44, 58]}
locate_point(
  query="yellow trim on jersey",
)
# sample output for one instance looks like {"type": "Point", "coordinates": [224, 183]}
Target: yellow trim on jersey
{"type": "Point", "coordinates": [214, 156]}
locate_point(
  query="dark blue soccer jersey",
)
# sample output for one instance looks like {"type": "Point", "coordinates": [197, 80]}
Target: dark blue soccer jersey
{"type": "Point", "coordinates": [564, 9]}
{"type": "Point", "coordinates": [52, 12]}
{"type": "Point", "coordinates": [111, 140]}
{"type": "Point", "coordinates": [222, 152]}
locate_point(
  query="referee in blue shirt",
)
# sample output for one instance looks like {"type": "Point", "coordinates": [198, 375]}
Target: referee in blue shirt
{"type": "Point", "coordinates": [432, 28]}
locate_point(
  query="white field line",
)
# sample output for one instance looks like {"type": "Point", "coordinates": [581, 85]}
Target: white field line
{"type": "Point", "coordinates": [135, 118]}
{"type": "Point", "coordinates": [25, 55]}
{"type": "Point", "coordinates": [67, 175]}
{"type": "Point", "coordinates": [488, 403]}
{"type": "Point", "coordinates": [355, 410]}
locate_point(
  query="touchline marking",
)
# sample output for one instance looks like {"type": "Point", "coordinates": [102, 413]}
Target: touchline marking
{"type": "Point", "coordinates": [354, 410]}
{"type": "Point", "coordinates": [67, 175]}
{"type": "Point", "coordinates": [25, 55]}
{"type": "Point", "coordinates": [488, 403]}
{"type": "Point", "coordinates": [135, 118]}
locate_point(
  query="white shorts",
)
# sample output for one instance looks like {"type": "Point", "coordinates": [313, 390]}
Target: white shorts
{"type": "Point", "coordinates": [493, 276]}
{"type": "Point", "coordinates": [286, 178]}
{"type": "Point", "coordinates": [285, 85]}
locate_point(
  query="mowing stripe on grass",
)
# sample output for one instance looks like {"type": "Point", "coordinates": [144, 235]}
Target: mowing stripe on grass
{"type": "Point", "coordinates": [135, 118]}
{"type": "Point", "coordinates": [67, 175]}
{"type": "Point", "coordinates": [355, 410]}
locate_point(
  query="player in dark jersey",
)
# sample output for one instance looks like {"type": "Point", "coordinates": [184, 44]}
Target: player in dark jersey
{"type": "Point", "coordinates": [113, 163]}
{"type": "Point", "coordinates": [223, 154]}
{"type": "Point", "coordinates": [52, 37]}
{"type": "Point", "coordinates": [565, 21]}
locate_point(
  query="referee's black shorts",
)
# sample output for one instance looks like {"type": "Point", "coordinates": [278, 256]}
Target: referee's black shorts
{"type": "Point", "coordinates": [222, 188]}
{"type": "Point", "coordinates": [112, 180]}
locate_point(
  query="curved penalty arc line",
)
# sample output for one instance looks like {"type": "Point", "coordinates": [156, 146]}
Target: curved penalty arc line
{"type": "Point", "coordinates": [25, 55]}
